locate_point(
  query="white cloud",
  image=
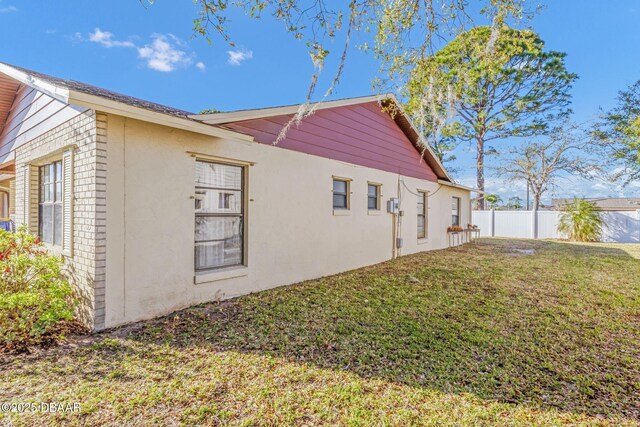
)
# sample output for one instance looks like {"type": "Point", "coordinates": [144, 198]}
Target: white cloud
{"type": "Point", "coordinates": [236, 57]}
{"type": "Point", "coordinates": [50, 31]}
{"type": "Point", "coordinates": [162, 55]}
{"type": "Point", "coordinates": [8, 9]}
{"type": "Point", "coordinates": [105, 38]}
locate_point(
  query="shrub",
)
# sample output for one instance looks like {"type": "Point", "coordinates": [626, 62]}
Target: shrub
{"type": "Point", "coordinates": [35, 296]}
{"type": "Point", "coordinates": [581, 221]}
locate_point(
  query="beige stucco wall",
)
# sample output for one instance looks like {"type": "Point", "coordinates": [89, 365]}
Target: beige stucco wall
{"type": "Point", "coordinates": [292, 232]}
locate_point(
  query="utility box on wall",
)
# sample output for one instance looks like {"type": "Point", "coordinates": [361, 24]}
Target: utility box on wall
{"type": "Point", "coordinates": [392, 205]}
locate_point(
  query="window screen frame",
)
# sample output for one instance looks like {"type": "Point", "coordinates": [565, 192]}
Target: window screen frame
{"type": "Point", "coordinates": [346, 194]}
{"type": "Point", "coordinates": [455, 207]}
{"type": "Point", "coordinates": [242, 215]}
{"type": "Point", "coordinates": [55, 200]}
{"type": "Point", "coordinates": [422, 214]}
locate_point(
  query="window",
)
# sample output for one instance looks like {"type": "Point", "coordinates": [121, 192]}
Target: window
{"type": "Point", "coordinates": [219, 215]}
{"type": "Point", "coordinates": [373, 197]}
{"type": "Point", "coordinates": [340, 193]}
{"type": "Point", "coordinates": [50, 203]}
{"type": "Point", "coordinates": [422, 215]}
{"type": "Point", "coordinates": [455, 211]}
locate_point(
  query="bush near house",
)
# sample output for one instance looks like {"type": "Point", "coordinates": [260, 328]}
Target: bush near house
{"type": "Point", "coordinates": [35, 296]}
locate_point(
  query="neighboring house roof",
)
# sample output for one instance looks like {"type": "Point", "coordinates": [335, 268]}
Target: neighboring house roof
{"type": "Point", "coordinates": [606, 204]}
{"type": "Point", "coordinates": [216, 124]}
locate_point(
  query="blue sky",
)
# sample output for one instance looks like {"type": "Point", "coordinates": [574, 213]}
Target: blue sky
{"type": "Point", "coordinates": [149, 51]}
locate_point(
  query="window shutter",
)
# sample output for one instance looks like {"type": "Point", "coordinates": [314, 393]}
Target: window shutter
{"type": "Point", "coordinates": [32, 192]}
{"type": "Point", "coordinates": [67, 203]}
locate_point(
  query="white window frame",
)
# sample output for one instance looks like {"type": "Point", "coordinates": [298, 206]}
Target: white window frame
{"type": "Point", "coordinates": [53, 203]}
{"type": "Point", "coordinates": [347, 194]}
{"type": "Point", "coordinates": [425, 210]}
{"type": "Point", "coordinates": [458, 205]}
{"type": "Point", "coordinates": [378, 196]}
{"type": "Point", "coordinates": [242, 215]}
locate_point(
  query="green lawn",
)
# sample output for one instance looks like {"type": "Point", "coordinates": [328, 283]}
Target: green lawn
{"type": "Point", "coordinates": [508, 332]}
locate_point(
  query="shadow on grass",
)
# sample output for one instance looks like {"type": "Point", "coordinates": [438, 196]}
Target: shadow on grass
{"type": "Point", "coordinates": [541, 324]}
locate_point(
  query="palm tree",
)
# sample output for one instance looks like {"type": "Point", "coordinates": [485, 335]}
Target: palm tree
{"type": "Point", "coordinates": [493, 200]}
{"type": "Point", "coordinates": [580, 221]}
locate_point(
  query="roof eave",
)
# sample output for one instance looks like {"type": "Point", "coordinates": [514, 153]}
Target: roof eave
{"type": "Point", "coordinates": [242, 115]}
{"type": "Point", "coordinates": [56, 92]}
{"type": "Point", "coordinates": [461, 187]}
{"type": "Point", "coordinates": [95, 102]}
{"type": "Point", "coordinates": [432, 160]}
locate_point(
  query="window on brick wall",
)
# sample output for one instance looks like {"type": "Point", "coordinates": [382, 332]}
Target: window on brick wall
{"type": "Point", "coordinates": [219, 215]}
{"type": "Point", "coordinates": [50, 189]}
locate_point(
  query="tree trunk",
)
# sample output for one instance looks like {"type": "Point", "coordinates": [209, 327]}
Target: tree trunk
{"type": "Point", "coordinates": [480, 171]}
{"type": "Point", "coordinates": [536, 200]}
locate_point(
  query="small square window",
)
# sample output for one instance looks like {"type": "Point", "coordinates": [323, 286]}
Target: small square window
{"type": "Point", "coordinates": [373, 197]}
{"type": "Point", "coordinates": [340, 194]}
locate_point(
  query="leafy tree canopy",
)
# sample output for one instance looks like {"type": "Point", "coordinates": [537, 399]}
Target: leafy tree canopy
{"type": "Point", "coordinates": [619, 131]}
{"type": "Point", "coordinates": [403, 32]}
{"type": "Point", "coordinates": [499, 82]}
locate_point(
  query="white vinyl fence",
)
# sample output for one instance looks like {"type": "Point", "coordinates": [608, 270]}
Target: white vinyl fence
{"type": "Point", "coordinates": [620, 226]}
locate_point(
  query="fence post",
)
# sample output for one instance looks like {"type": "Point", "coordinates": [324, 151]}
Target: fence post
{"type": "Point", "coordinates": [493, 222]}
{"type": "Point", "coordinates": [534, 223]}
{"type": "Point", "coordinates": [638, 217]}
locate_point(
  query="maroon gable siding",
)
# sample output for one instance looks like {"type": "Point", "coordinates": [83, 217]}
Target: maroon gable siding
{"type": "Point", "coordinates": [361, 134]}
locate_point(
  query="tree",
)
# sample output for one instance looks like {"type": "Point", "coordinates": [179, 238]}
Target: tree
{"type": "Point", "coordinates": [541, 163]}
{"type": "Point", "coordinates": [619, 132]}
{"type": "Point", "coordinates": [394, 24]}
{"type": "Point", "coordinates": [502, 84]}
{"type": "Point", "coordinates": [493, 200]}
{"type": "Point", "coordinates": [515, 202]}
{"type": "Point", "coordinates": [581, 221]}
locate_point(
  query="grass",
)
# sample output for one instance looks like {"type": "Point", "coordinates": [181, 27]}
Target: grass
{"type": "Point", "coordinates": [506, 333]}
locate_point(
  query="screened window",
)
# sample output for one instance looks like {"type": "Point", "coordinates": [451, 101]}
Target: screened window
{"type": "Point", "coordinates": [219, 215]}
{"type": "Point", "coordinates": [455, 211]}
{"type": "Point", "coordinates": [340, 194]}
{"type": "Point", "coordinates": [422, 215]}
{"type": "Point", "coordinates": [373, 197]}
{"type": "Point", "coordinates": [50, 203]}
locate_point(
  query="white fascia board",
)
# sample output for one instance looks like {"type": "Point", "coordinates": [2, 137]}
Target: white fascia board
{"type": "Point", "coordinates": [236, 116]}
{"type": "Point", "coordinates": [108, 106]}
{"type": "Point", "coordinates": [59, 93]}
{"type": "Point", "coordinates": [458, 186]}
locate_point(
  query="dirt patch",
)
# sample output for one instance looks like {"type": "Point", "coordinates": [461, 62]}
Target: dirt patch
{"type": "Point", "coordinates": [521, 252]}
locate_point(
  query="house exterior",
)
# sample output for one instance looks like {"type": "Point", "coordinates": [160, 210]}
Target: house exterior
{"type": "Point", "coordinates": [156, 209]}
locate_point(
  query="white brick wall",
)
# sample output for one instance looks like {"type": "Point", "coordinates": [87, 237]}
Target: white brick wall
{"type": "Point", "coordinates": [86, 134]}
